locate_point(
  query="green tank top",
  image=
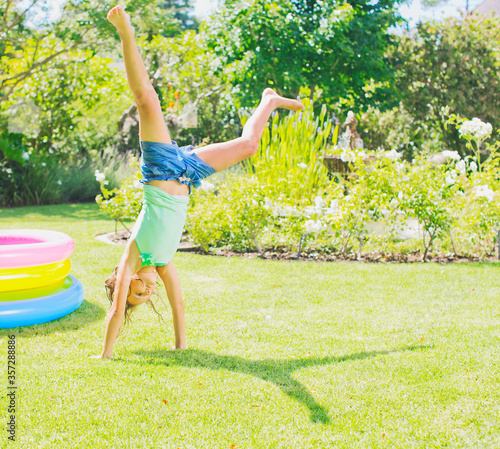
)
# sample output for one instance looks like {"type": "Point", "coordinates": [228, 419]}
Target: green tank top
{"type": "Point", "coordinates": [158, 229]}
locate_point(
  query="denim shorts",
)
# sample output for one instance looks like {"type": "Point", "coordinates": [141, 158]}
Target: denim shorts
{"type": "Point", "coordinates": [163, 161]}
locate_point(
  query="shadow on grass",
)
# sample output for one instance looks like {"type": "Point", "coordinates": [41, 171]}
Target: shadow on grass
{"type": "Point", "coordinates": [85, 314]}
{"type": "Point", "coordinates": [278, 372]}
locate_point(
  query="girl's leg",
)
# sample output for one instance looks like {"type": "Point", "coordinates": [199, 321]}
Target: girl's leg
{"type": "Point", "coordinates": [151, 123]}
{"type": "Point", "coordinates": [223, 155]}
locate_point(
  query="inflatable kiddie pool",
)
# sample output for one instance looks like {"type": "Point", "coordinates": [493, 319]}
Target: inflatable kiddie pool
{"type": "Point", "coordinates": [33, 247]}
{"type": "Point", "coordinates": [35, 286]}
{"type": "Point", "coordinates": [59, 303]}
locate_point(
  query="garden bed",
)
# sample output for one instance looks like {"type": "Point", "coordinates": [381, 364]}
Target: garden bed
{"type": "Point", "coordinates": [121, 238]}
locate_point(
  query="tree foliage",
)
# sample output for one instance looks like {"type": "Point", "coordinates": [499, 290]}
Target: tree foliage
{"type": "Point", "coordinates": [335, 46]}
{"type": "Point", "coordinates": [181, 70]}
{"type": "Point", "coordinates": [451, 64]}
{"type": "Point", "coordinates": [82, 25]}
{"type": "Point", "coordinates": [70, 93]}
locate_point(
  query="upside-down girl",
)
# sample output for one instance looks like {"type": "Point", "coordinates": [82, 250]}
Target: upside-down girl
{"type": "Point", "coordinates": [169, 174]}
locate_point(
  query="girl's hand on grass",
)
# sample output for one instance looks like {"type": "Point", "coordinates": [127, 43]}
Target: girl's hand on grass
{"type": "Point", "coordinates": [100, 356]}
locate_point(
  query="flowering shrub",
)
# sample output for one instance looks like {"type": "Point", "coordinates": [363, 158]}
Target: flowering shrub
{"type": "Point", "coordinates": [476, 207]}
{"type": "Point", "coordinates": [453, 204]}
{"type": "Point", "coordinates": [125, 202]}
{"type": "Point", "coordinates": [426, 196]}
{"type": "Point", "coordinates": [231, 216]}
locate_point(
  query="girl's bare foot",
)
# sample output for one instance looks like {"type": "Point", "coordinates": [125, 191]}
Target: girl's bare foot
{"type": "Point", "coordinates": [120, 19]}
{"type": "Point", "coordinates": [282, 102]}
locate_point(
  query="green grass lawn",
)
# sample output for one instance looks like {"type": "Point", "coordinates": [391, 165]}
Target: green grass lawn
{"type": "Point", "coordinates": [281, 355]}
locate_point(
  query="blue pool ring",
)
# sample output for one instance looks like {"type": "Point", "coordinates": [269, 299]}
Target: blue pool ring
{"type": "Point", "coordinates": [46, 308]}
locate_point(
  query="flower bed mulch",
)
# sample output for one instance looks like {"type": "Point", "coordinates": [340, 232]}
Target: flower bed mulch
{"type": "Point", "coordinates": [372, 257]}
{"type": "Point", "coordinates": [121, 237]}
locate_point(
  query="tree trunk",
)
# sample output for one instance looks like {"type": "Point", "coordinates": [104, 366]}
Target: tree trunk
{"type": "Point", "coordinates": [452, 243]}
{"type": "Point", "coordinates": [256, 242]}
{"type": "Point", "coordinates": [360, 239]}
{"type": "Point", "coordinates": [428, 247]}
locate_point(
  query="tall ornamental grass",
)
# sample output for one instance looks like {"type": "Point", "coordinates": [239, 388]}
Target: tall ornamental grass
{"type": "Point", "coordinates": [288, 161]}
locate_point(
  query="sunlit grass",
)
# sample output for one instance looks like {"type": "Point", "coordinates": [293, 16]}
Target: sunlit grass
{"type": "Point", "coordinates": [281, 355]}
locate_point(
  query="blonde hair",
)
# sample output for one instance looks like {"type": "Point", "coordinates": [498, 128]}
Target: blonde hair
{"type": "Point", "coordinates": [110, 285]}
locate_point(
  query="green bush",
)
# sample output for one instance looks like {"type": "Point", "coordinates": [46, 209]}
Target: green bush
{"type": "Point", "coordinates": [31, 178]}
{"type": "Point", "coordinates": [45, 180]}
{"type": "Point", "coordinates": [125, 201]}
{"type": "Point", "coordinates": [453, 203]}
{"type": "Point", "coordinates": [233, 216]}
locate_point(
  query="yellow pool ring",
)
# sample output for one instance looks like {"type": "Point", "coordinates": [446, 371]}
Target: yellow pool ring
{"type": "Point", "coordinates": [31, 293]}
{"type": "Point", "coordinates": [12, 279]}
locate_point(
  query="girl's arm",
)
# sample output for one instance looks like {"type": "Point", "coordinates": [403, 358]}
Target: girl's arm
{"type": "Point", "coordinates": [116, 313]}
{"type": "Point", "coordinates": [170, 279]}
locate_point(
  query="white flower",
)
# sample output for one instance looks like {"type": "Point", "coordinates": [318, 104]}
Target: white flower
{"type": "Point", "coordinates": [138, 184]}
{"type": "Point", "coordinates": [207, 186]}
{"type": "Point", "coordinates": [400, 196]}
{"type": "Point", "coordinates": [318, 201]}
{"type": "Point", "coordinates": [400, 166]}
{"type": "Point", "coordinates": [394, 203]}
{"type": "Point", "coordinates": [59, 182]}
{"type": "Point", "coordinates": [302, 165]}
{"type": "Point", "coordinates": [255, 203]}
{"type": "Point", "coordinates": [451, 155]}
{"type": "Point", "coordinates": [25, 156]}
{"type": "Point", "coordinates": [51, 151]}
{"type": "Point", "coordinates": [99, 176]}
{"type": "Point", "coordinates": [484, 192]}
{"type": "Point", "coordinates": [43, 164]}
{"type": "Point", "coordinates": [309, 210]}
{"type": "Point", "coordinates": [450, 180]}
{"type": "Point", "coordinates": [285, 211]}
{"type": "Point", "coordinates": [268, 204]}
{"type": "Point", "coordinates": [461, 167]}
{"type": "Point", "coordinates": [348, 156]}
{"type": "Point", "coordinates": [314, 226]}
{"type": "Point", "coordinates": [476, 129]}
{"type": "Point", "coordinates": [473, 166]}
{"type": "Point", "coordinates": [334, 208]}
{"type": "Point", "coordinates": [393, 155]}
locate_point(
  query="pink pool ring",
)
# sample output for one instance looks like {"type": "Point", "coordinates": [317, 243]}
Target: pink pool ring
{"type": "Point", "coordinates": [31, 247]}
